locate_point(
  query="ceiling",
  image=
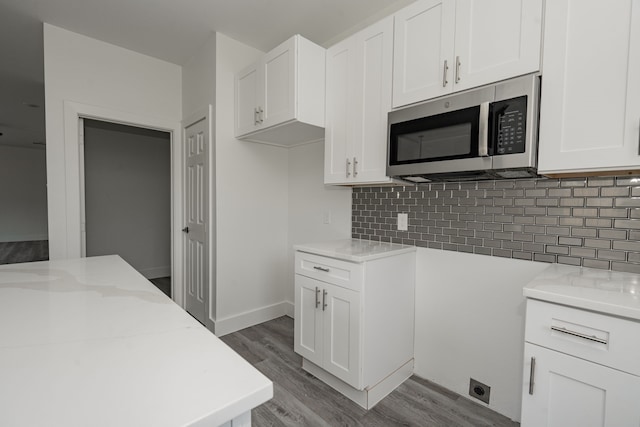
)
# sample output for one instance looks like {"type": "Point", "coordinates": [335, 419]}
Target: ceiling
{"type": "Point", "coordinates": [166, 29]}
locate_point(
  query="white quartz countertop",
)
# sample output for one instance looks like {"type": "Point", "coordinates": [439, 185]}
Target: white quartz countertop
{"type": "Point", "coordinates": [355, 250]}
{"type": "Point", "coordinates": [91, 342]}
{"type": "Point", "coordinates": [604, 291]}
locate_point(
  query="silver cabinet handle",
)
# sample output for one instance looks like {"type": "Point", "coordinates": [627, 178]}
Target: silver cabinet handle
{"type": "Point", "coordinates": [579, 335]}
{"type": "Point", "coordinates": [255, 116]}
{"type": "Point", "coordinates": [324, 299]}
{"type": "Point", "coordinates": [326, 270]}
{"type": "Point", "coordinates": [260, 114]}
{"type": "Point", "coordinates": [317, 299]}
{"type": "Point", "coordinates": [348, 166]}
{"type": "Point", "coordinates": [355, 166]}
{"type": "Point", "coordinates": [483, 131]}
{"type": "Point", "coordinates": [532, 374]}
{"type": "Point", "coordinates": [445, 71]}
{"type": "Point", "coordinates": [457, 69]}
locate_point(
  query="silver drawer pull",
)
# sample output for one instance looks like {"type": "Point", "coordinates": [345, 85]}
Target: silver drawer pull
{"type": "Point", "coordinates": [579, 335]}
{"type": "Point", "coordinates": [326, 270]}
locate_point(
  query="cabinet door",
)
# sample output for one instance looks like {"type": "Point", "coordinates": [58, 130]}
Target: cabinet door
{"type": "Point", "coordinates": [342, 334]}
{"type": "Point", "coordinates": [246, 87]}
{"type": "Point", "coordinates": [496, 40]}
{"type": "Point", "coordinates": [338, 114]}
{"type": "Point", "coordinates": [372, 101]}
{"type": "Point", "coordinates": [590, 110]}
{"type": "Point", "coordinates": [569, 391]}
{"type": "Point", "coordinates": [279, 84]}
{"type": "Point", "coordinates": [307, 340]}
{"type": "Point", "coordinates": [423, 51]}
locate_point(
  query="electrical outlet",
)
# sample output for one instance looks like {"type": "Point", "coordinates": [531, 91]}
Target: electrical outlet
{"type": "Point", "coordinates": [403, 222]}
{"type": "Point", "coordinates": [479, 391]}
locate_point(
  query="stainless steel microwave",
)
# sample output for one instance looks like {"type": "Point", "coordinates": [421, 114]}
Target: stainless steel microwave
{"type": "Point", "coordinates": [486, 133]}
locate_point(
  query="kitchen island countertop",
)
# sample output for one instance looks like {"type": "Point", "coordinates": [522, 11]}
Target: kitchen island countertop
{"type": "Point", "coordinates": [91, 342]}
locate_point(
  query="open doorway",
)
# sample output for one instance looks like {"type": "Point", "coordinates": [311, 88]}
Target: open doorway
{"type": "Point", "coordinates": [127, 197]}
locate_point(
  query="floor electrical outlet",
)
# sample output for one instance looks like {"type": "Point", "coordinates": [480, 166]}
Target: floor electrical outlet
{"type": "Point", "coordinates": [479, 391]}
{"type": "Point", "coordinates": [403, 222]}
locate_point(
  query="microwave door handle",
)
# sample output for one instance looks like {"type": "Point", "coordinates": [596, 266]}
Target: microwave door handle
{"type": "Point", "coordinates": [483, 130]}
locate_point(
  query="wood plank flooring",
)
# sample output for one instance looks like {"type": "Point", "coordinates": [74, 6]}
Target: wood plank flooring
{"type": "Point", "coordinates": [302, 400]}
{"type": "Point", "coordinates": [164, 284]}
{"type": "Point", "coordinates": [17, 252]}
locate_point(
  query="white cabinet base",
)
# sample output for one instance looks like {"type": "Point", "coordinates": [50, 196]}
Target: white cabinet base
{"type": "Point", "coordinates": [366, 398]}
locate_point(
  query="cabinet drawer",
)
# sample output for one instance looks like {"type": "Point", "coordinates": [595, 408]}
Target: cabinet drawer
{"type": "Point", "coordinates": [603, 339]}
{"type": "Point", "coordinates": [341, 273]}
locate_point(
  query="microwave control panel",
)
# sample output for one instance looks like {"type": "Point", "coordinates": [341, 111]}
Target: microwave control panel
{"type": "Point", "coordinates": [509, 125]}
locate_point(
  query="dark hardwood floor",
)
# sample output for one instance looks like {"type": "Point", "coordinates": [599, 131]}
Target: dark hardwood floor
{"type": "Point", "coordinates": [164, 284]}
{"type": "Point", "coordinates": [17, 252]}
{"type": "Point", "coordinates": [302, 400]}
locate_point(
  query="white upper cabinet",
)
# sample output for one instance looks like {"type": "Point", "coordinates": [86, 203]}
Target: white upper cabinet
{"type": "Point", "coordinates": [590, 103]}
{"type": "Point", "coordinates": [358, 101]}
{"type": "Point", "coordinates": [496, 40]}
{"type": "Point", "coordinates": [280, 99]}
{"type": "Point", "coordinates": [423, 51]}
{"type": "Point", "coordinates": [443, 46]}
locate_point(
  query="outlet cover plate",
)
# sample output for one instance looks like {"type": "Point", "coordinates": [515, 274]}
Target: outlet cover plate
{"type": "Point", "coordinates": [403, 222]}
{"type": "Point", "coordinates": [479, 391]}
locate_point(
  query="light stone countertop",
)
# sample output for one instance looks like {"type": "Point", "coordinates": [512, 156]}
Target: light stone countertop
{"type": "Point", "coordinates": [91, 342]}
{"type": "Point", "coordinates": [355, 250]}
{"type": "Point", "coordinates": [604, 291]}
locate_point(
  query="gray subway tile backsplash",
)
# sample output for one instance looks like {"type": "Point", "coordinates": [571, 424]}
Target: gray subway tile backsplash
{"type": "Point", "coordinates": [593, 222]}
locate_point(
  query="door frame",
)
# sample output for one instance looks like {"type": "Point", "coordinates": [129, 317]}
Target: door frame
{"type": "Point", "coordinates": [74, 179]}
{"type": "Point", "coordinates": [206, 114]}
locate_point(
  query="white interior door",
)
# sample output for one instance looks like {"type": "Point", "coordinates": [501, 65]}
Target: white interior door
{"type": "Point", "coordinates": [196, 204]}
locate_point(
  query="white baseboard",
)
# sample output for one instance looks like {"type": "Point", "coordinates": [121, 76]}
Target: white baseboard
{"type": "Point", "coordinates": [289, 309]}
{"type": "Point", "coordinates": [155, 272]}
{"type": "Point", "coordinates": [368, 397]}
{"type": "Point", "coordinates": [232, 324]}
{"type": "Point", "coordinates": [23, 238]}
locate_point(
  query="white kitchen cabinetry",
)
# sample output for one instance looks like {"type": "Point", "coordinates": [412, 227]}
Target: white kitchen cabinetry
{"type": "Point", "coordinates": [336, 310]}
{"type": "Point", "coordinates": [590, 108]}
{"type": "Point", "coordinates": [280, 99]}
{"type": "Point", "coordinates": [444, 46]}
{"type": "Point", "coordinates": [581, 368]}
{"type": "Point", "coordinates": [354, 315]}
{"type": "Point", "coordinates": [358, 101]}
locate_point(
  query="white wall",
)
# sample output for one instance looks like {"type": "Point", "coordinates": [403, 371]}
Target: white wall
{"type": "Point", "coordinates": [470, 323]}
{"type": "Point", "coordinates": [90, 72]}
{"type": "Point", "coordinates": [309, 201]}
{"type": "Point", "coordinates": [23, 194]}
{"type": "Point", "coordinates": [128, 195]}
{"type": "Point", "coordinates": [199, 79]}
{"type": "Point", "coordinates": [252, 208]}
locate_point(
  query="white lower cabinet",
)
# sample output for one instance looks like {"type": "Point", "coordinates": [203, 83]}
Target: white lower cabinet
{"type": "Point", "coordinates": [581, 368]}
{"type": "Point", "coordinates": [329, 328]}
{"type": "Point", "coordinates": [354, 322]}
{"type": "Point", "coordinates": [568, 391]}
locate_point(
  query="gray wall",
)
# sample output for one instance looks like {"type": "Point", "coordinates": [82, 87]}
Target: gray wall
{"type": "Point", "coordinates": [23, 194]}
{"type": "Point", "coordinates": [128, 195]}
{"type": "Point", "coordinates": [592, 222]}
